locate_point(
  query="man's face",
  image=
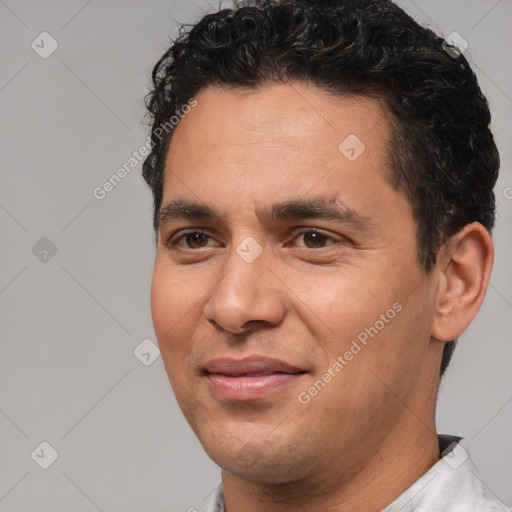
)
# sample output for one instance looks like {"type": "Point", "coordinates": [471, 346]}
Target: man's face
{"type": "Point", "coordinates": [252, 311]}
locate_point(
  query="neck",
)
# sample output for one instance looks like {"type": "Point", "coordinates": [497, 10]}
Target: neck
{"type": "Point", "coordinates": [406, 454]}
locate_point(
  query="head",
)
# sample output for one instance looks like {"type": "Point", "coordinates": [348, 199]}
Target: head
{"type": "Point", "coordinates": [279, 91]}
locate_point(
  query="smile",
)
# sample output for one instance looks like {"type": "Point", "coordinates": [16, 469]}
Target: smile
{"type": "Point", "coordinates": [249, 379]}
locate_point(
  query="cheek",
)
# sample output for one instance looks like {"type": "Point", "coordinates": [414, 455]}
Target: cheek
{"type": "Point", "coordinates": [172, 309]}
{"type": "Point", "coordinates": [172, 306]}
{"type": "Point", "coordinates": [384, 328]}
{"type": "Point", "coordinates": [341, 303]}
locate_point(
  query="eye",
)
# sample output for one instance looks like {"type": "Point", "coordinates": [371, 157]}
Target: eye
{"type": "Point", "coordinates": [195, 239]}
{"type": "Point", "coordinates": [314, 239]}
{"type": "Point", "coordinates": [192, 239]}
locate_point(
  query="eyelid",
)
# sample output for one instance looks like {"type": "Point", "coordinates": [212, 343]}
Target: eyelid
{"type": "Point", "coordinates": [184, 232]}
{"type": "Point", "coordinates": [310, 229]}
{"type": "Point", "coordinates": [173, 241]}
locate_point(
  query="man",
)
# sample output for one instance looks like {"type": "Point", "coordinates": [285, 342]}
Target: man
{"type": "Point", "coordinates": [322, 213]}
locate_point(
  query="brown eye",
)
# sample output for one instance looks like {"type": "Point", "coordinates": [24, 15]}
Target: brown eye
{"type": "Point", "coordinates": [196, 240]}
{"type": "Point", "coordinates": [190, 240]}
{"type": "Point", "coordinates": [313, 240]}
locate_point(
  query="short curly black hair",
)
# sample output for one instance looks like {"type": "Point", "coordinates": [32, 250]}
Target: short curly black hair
{"type": "Point", "coordinates": [442, 153]}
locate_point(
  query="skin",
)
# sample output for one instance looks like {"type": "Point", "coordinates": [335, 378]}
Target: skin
{"type": "Point", "coordinates": [370, 432]}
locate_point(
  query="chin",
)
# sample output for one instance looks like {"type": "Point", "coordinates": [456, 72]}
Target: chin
{"type": "Point", "coordinates": [260, 463]}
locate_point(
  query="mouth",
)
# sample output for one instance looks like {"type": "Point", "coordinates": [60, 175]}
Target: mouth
{"type": "Point", "coordinates": [249, 379]}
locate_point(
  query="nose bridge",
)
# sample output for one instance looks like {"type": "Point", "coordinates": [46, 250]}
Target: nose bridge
{"type": "Point", "coordinates": [242, 276]}
{"type": "Point", "coordinates": [246, 292]}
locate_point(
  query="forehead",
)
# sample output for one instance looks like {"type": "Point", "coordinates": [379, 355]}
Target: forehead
{"type": "Point", "coordinates": [295, 115]}
{"type": "Point", "coordinates": [276, 141]}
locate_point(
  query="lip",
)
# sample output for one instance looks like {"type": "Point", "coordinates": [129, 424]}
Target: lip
{"type": "Point", "coordinates": [251, 378]}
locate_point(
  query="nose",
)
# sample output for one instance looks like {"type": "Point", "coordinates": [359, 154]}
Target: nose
{"type": "Point", "coordinates": [247, 296]}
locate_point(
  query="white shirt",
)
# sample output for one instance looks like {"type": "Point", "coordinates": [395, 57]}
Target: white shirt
{"type": "Point", "coordinates": [451, 485]}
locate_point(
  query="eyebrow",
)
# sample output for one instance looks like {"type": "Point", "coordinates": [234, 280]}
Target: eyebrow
{"type": "Point", "coordinates": [299, 209]}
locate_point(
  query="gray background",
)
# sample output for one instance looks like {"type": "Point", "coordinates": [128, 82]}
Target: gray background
{"type": "Point", "coordinates": [70, 324]}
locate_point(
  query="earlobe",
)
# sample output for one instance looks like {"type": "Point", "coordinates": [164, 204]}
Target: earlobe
{"type": "Point", "coordinates": [465, 268]}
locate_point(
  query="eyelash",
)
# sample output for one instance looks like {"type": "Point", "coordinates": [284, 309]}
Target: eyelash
{"type": "Point", "coordinates": [174, 245]}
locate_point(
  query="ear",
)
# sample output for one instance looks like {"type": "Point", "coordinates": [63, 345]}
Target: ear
{"type": "Point", "coordinates": [464, 269]}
